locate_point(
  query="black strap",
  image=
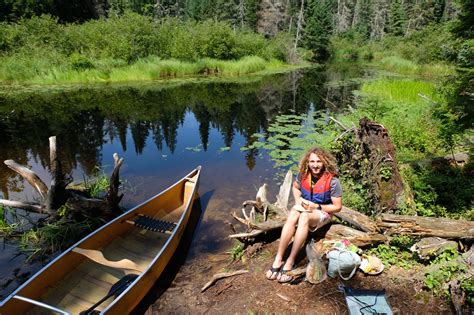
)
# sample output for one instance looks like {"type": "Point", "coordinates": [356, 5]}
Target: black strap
{"type": "Point", "coordinates": [148, 223]}
{"type": "Point", "coordinates": [115, 290]}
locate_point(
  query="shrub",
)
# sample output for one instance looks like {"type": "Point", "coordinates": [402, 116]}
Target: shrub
{"type": "Point", "coordinates": [80, 62]}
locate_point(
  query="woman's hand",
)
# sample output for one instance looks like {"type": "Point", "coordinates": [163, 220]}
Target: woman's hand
{"type": "Point", "coordinates": [308, 205]}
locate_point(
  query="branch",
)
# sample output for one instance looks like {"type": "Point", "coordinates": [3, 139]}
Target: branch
{"type": "Point", "coordinates": [340, 124]}
{"type": "Point", "coordinates": [113, 198]}
{"type": "Point", "coordinates": [23, 205]}
{"type": "Point", "coordinates": [223, 275]}
{"type": "Point", "coordinates": [30, 177]}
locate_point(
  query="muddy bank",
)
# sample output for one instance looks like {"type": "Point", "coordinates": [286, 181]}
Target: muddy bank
{"type": "Point", "coordinates": [251, 293]}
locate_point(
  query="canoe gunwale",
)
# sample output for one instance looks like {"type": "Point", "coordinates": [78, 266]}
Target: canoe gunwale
{"type": "Point", "coordinates": [179, 226]}
{"type": "Point", "coordinates": [183, 180]}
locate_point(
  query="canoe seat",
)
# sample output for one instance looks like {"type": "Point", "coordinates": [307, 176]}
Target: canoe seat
{"type": "Point", "coordinates": [155, 225]}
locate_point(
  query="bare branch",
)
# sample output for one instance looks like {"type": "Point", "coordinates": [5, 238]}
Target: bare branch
{"type": "Point", "coordinates": [30, 177]}
{"type": "Point", "coordinates": [23, 205]}
{"type": "Point", "coordinates": [223, 275]}
{"type": "Point", "coordinates": [340, 124]}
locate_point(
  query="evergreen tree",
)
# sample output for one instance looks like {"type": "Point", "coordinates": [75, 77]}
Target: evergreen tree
{"type": "Point", "coordinates": [318, 28]}
{"type": "Point", "coordinates": [251, 9]}
{"type": "Point", "coordinates": [397, 18]}
{"type": "Point", "coordinates": [464, 26]}
{"type": "Point", "coordinates": [12, 10]}
{"type": "Point", "coordinates": [362, 17]}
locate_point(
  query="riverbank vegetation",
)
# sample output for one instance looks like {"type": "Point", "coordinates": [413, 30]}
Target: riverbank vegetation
{"type": "Point", "coordinates": [131, 47]}
{"type": "Point", "coordinates": [423, 99]}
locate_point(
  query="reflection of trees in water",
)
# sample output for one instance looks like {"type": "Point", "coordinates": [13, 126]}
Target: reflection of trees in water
{"type": "Point", "coordinates": [203, 117]}
{"type": "Point", "coordinates": [84, 119]}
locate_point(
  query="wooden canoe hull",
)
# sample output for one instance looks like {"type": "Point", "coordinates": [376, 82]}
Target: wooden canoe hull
{"type": "Point", "coordinates": [73, 283]}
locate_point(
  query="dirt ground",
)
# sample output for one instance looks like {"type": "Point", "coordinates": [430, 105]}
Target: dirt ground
{"type": "Point", "coordinates": [252, 293]}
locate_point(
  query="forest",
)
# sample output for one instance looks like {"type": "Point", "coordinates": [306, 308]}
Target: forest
{"type": "Point", "coordinates": [425, 103]}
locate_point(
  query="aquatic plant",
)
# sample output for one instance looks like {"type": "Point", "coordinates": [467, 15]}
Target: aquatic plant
{"type": "Point", "coordinates": [98, 185]}
{"type": "Point", "coordinates": [288, 136]}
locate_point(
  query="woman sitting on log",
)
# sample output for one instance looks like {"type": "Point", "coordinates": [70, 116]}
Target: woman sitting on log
{"type": "Point", "coordinates": [318, 195]}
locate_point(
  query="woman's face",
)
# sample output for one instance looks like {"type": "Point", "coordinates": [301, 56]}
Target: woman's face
{"type": "Point", "coordinates": [315, 165]}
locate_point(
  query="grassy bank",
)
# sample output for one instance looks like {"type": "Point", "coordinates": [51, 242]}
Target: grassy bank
{"type": "Point", "coordinates": [430, 52]}
{"type": "Point", "coordinates": [151, 68]}
{"type": "Point", "coordinates": [132, 47]}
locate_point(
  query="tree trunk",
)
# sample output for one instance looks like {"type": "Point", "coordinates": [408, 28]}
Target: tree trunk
{"type": "Point", "coordinates": [57, 195]}
{"type": "Point", "coordinates": [299, 25]}
{"type": "Point", "coordinates": [379, 166]}
{"type": "Point", "coordinates": [426, 226]}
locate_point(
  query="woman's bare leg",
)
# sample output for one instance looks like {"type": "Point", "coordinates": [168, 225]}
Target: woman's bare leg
{"type": "Point", "coordinates": [287, 233]}
{"type": "Point", "coordinates": [305, 220]}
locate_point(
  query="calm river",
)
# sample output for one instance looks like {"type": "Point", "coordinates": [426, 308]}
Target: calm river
{"type": "Point", "coordinates": [162, 131]}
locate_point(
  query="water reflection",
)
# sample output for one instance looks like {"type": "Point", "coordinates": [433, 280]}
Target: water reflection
{"type": "Point", "coordinates": [162, 132]}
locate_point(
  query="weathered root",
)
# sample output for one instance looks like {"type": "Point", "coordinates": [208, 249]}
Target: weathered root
{"type": "Point", "coordinates": [223, 275]}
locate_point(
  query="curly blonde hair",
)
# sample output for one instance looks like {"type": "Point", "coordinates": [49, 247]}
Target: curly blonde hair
{"type": "Point", "coordinates": [328, 160]}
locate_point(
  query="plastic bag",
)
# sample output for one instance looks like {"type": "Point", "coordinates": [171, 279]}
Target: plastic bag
{"type": "Point", "coordinates": [316, 269]}
{"type": "Point", "coordinates": [342, 262]}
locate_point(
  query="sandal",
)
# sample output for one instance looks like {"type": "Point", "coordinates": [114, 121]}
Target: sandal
{"type": "Point", "coordinates": [275, 271]}
{"type": "Point", "coordinates": [283, 273]}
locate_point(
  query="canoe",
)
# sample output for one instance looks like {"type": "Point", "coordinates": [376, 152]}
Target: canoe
{"type": "Point", "coordinates": [122, 259]}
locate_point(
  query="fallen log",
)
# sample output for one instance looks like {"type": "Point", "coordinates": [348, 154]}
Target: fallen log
{"type": "Point", "coordinates": [357, 219]}
{"type": "Point", "coordinates": [358, 238]}
{"type": "Point", "coordinates": [426, 226]}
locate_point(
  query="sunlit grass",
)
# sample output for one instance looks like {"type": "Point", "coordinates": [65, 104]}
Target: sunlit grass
{"type": "Point", "coordinates": [404, 107]}
{"type": "Point", "coordinates": [39, 71]}
{"type": "Point", "coordinates": [401, 90]}
{"type": "Point", "coordinates": [405, 66]}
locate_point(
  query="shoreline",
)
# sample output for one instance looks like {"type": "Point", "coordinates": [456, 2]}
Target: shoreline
{"type": "Point", "coordinates": [90, 81]}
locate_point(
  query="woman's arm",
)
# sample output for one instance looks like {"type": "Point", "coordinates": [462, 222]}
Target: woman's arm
{"type": "Point", "coordinates": [296, 193]}
{"type": "Point", "coordinates": [336, 205]}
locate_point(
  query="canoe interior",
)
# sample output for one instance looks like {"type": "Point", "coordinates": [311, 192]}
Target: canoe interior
{"type": "Point", "coordinates": [74, 282]}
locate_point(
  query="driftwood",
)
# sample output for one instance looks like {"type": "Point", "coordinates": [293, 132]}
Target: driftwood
{"type": "Point", "coordinates": [358, 238]}
{"type": "Point", "coordinates": [113, 198]}
{"type": "Point", "coordinates": [357, 219]}
{"type": "Point", "coordinates": [222, 275]}
{"type": "Point", "coordinates": [262, 208]}
{"type": "Point", "coordinates": [58, 193]}
{"type": "Point", "coordinates": [426, 226]}
{"type": "Point", "coordinates": [29, 176]}
{"type": "Point", "coordinates": [432, 246]}
{"type": "Point", "coordinates": [23, 205]}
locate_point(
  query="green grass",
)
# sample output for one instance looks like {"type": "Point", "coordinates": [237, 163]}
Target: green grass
{"type": "Point", "coordinates": [6, 228]}
{"type": "Point", "coordinates": [404, 107]}
{"type": "Point", "coordinates": [405, 66]}
{"type": "Point", "coordinates": [41, 72]}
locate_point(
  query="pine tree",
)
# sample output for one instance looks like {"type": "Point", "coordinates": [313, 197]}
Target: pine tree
{"type": "Point", "coordinates": [318, 27]}
{"type": "Point", "coordinates": [361, 18]}
{"type": "Point", "coordinates": [464, 26]}
{"type": "Point", "coordinates": [397, 18]}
